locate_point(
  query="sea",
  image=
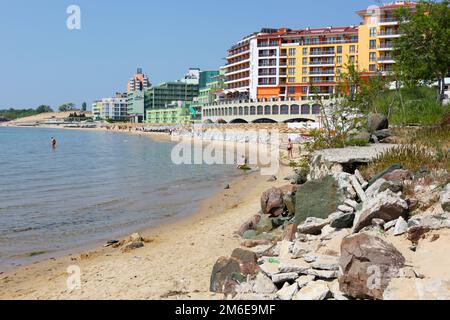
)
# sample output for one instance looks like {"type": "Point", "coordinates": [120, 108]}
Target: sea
{"type": "Point", "coordinates": [93, 187]}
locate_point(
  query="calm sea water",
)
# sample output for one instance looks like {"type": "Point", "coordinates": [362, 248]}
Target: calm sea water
{"type": "Point", "coordinates": [93, 187]}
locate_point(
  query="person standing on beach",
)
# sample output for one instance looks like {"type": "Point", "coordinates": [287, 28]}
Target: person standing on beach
{"type": "Point", "coordinates": [290, 149]}
{"type": "Point", "coordinates": [53, 142]}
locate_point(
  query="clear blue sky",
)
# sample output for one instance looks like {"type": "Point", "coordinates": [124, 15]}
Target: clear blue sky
{"type": "Point", "coordinates": [42, 62]}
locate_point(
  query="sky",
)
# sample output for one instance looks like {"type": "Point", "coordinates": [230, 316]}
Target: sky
{"type": "Point", "coordinates": [43, 62]}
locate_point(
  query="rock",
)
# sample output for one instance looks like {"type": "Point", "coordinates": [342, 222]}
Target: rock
{"type": "Point", "coordinates": [263, 284]}
{"type": "Point", "coordinates": [389, 224]}
{"type": "Point", "coordinates": [346, 209]}
{"type": "Point", "coordinates": [299, 178]}
{"type": "Point", "coordinates": [285, 249]}
{"type": "Point", "coordinates": [382, 134]}
{"type": "Point", "coordinates": [287, 292]}
{"type": "Point", "coordinates": [400, 227]}
{"type": "Point", "coordinates": [326, 263]}
{"type": "Point", "coordinates": [132, 246]}
{"type": "Point", "coordinates": [378, 223]}
{"type": "Point", "coordinates": [359, 190]}
{"type": "Point", "coordinates": [313, 226]}
{"type": "Point", "coordinates": [227, 187]}
{"type": "Point", "coordinates": [362, 135]}
{"type": "Point", "coordinates": [413, 223]}
{"type": "Point", "coordinates": [368, 264]}
{"type": "Point", "coordinates": [270, 266]}
{"type": "Point", "coordinates": [342, 220]}
{"type": "Point", "coordinates": [264, 225]}
{"type": "Point", "coordinates": [386, 171]}
{"type": "Point", "coordinates": [436, 221]}
{"type": "Point", "coordinates": [413, 204]}
{"type": "Point", "coordinates": [359, 177]}
{"type": "Point", "coordinates": [249, 225]}
{"type": "Point", "coordinates": [315, 290]}
{"type": "Point", "coordinates": [135, 237]}
{"type": "Point", "coordinates": [249, 234]}
{"type": "Point", "coordinates": [351, 203]}
{"type": "Point", "coordinates": [327, 233]}
{"type": "Point", "coordinates": [294, 266]}
{"type": "Point", "coordinates": [223, 270]}
{"type": "Point", "coordinates": [374, 189]}
{"type": "Point", "coordinates": [284, 277]}
{"type": "Point", "coordinates": [344, 184]}
{"type": "Point", "coordinates": [272, 179]}
{"type": "Point", "coordinates": [386, 205]}
{"type": "Point", "coordinates": [272, 202]}
{"type": "Point", "coordinates": [376, 122]}
{"type": "Point", "coordinates": [289, 232]}
{"type": "Point", "coordinates": [445, 198]}
{"type": "Point", "coordinates": [248, 261]}
{"type": "Point", "coordinates": [301, 248]}
{"type": "Point", "coordinates": [398, 175]}
{"type": "Point", "coordinates": [303, 281]}
{"type": "Point", "coordinates": [289, 202]}
{"type": "Point", "coordinates": [317, 199]}
{"type": "Point", "coordinates": [324, 274]}
{"type": "Point", "coordinates": [254, 243]}
{"type": "Point", "coordinates": [394, 186]}
{"type": "Point", "coordinates": [110, 243]}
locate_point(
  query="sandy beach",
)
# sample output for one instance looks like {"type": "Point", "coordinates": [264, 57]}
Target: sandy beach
{"type": "Point", "coordinates": [175, 264]}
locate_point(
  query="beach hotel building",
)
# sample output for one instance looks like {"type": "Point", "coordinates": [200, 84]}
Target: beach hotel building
{"type": "Point", "coordinates": [276, 75]}
{"type": "Point", "coordinates": [136, 87]}
{"type": "Point", "coordinates": [111, 108]}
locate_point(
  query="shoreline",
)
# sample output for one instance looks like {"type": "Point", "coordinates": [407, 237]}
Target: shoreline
{"type": "Point", "coordinates": [46, 279]}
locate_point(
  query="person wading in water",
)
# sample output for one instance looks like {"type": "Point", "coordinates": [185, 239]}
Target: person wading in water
{"type": "Point", "coordinates": [53, 142]}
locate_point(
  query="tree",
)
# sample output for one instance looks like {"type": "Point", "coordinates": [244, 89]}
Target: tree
{"type": "Point", "coordinates": [43, 109]}
{"type": "Point", "coordinates": [84, 106]}
{"type": "Point", "coordinates": [67, 107]}
{"type": "Point", "coordinates": [422, 51]}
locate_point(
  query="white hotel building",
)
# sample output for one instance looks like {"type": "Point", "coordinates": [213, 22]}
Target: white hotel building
{"type": "Point", "coordinates": [111, 108]}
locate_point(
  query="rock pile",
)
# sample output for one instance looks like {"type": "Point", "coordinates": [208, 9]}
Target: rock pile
{"type": "Point", "coordinates": [328, 238]}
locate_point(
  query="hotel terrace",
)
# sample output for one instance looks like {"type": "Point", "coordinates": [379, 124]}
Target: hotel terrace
{"type": "Point", "coordinates": [275, 75]}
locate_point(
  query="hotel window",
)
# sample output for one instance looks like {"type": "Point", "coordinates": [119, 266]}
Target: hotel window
{"type": "Point", "coordinates": [291, 90]}
{"type": "Point", "coordinates": [352, 49]}
{"type": "Point", "coordinates": [339, 49]}
{"type": "Point", "coordinates": [352, 59]}
{"type": "Point", "coordinates": [292, 51]}
{"type": "Point", "coordinates": [373, 32]}
{"type": "Point", "coordinates": [339, 60]}
{"type": "Point", "coordinates": [291, 79]}
{"type": "Point", "coordinates": [292, 61]}
{"type": "Point", "coordinates": [304, 79]}
{"type": "Point", "coordinates": [372, 57]}
{"type": "Point", "coordinates": [304, 90]}
{"type": "Point", "coordinates": [305, 61]}
{"type": "Point", "coordinates": [338, 70]}
{"type": "Point", "coordinates": [372, 67]}
{"type": "Point", "coordinates": [373, 44]}
{"type": "Point", "coordinates": [305, 71]}
{"type": "Point", "coordinates": [305, 51]}
{"type": "Point", "coordinates": [291, 71]}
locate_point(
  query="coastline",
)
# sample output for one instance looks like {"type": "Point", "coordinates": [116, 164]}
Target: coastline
{"type": "Point", "coordinates": [182, 248]}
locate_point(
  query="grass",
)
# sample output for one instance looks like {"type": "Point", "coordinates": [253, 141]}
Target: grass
{"type": "Point", "coordinates": [424, 147]}
{"type": "Point", "coordinates": [411, 106]}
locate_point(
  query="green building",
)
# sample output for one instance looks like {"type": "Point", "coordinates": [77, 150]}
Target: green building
{"type": "Point", "coordinates": [209, 94]}
{"type": "Point", "coordinates": [206, 77]}
{"type": "Point", "coordinates": [174, 113]}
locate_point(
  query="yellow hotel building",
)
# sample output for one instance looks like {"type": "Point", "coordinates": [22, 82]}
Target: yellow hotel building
{"type": "Point", "coordinates": [285, 64]}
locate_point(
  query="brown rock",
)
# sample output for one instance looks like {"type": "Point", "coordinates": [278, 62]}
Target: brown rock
{"type": "Point", "coordinates": [398, 175]}
{"type": "Point", "coordinates": [289, 189]}
{"type": "Point", "coordinates": [248, 261]}
{"type": "Point", "coordinates": [272, 202]}
{"type": "Point", "coordinates": [254, 243]}
{"type": "Point", "coordinates": [222, 272]}
{"type": "Point", "coordinates": [416, 233]}
{"type": "Point", "coordinates": [368, 264]}
{"type": "Point", "coordinates": [249, 225]}
{"type": "Point", "coordinates": [132, 246]}
{"type": "Point", "coordinates": [289, 232]}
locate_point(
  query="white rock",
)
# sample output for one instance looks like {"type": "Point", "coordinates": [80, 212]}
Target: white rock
{"type": "Point", "coordinates": [351, 203]}
{"type": "Point", "coordinates": [336, 291]}
{"type": "Point", "coordinates": [294, 266]}
{"type": "Point", "coordinates": [302, 281]}
{"type": "Point", "coordinates": [287, 292]}
{"type": "Point", "coordinates": [400, 227]}
{"type": "Point", "coordinates": [284, 277]}
{"type": "Point", "coordinates": [326, 263]}
{"type": "Point", "coordinates": [360, 178]}
{"type": "Point", "coordinates": [359, 190]}
{"type": "Point", "coordinates": [263, 284]}
{"type": "Point", "coordinates": [345, 208]}
{"type": "Point", "coordinates": [324, 274]}
{"type": "Point", "coordinates": [316, 290]}
{"type": "Point", "coordinates": [285, 249]}
{"type": "Point", "coordinates": [445, 198]}
{"type": "Point", "coordinates": [390, 224]}
{"type": "Point", "coordinates": [374, 188]}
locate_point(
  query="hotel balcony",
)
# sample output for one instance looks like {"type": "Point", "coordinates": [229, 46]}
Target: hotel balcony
{"type": "Point", "coordinates": [386, 59]}
{"type": "Point", "coordinates": [238, 62]}
{"type": "Point", "coordinates": [388, 34]}
{"type": "Point", "coordinates": [237, 80]}
{"type": "Point", "coordinates": [388, 21]}
{"type": "Point", "coordinates": [323, 63]}
{"type": "Point", "coordinates": [385, 47]}
{"type": "Point", "coordinates": [234, 72]}
{"type": "Point", "coordinates": [322, 53]}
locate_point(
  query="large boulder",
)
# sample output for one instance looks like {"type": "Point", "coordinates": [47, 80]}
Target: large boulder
{"type": "Point", "coordinates": [264, 225]}
{"type": "Point", "coordinates": [398, 175]}
{"type": "Point", "coordinates": [313, 226]}
{"type": "Point", "coordinates": [384, 172]}
{"type": "Point", "coordinates": [376, 122]}
{"type": "Point", "coordinates": [250, 224]}
{"type": "Point", "coordinates": [230, 271]}
{"type": "Point", "coordinates": [318, 199]}
{"type": "Point", "coordinates": [272, 202]}
{"type": "Point", "coordinates": [386, 205]}
{"type": "Point", "coordinates": [368, 263]}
